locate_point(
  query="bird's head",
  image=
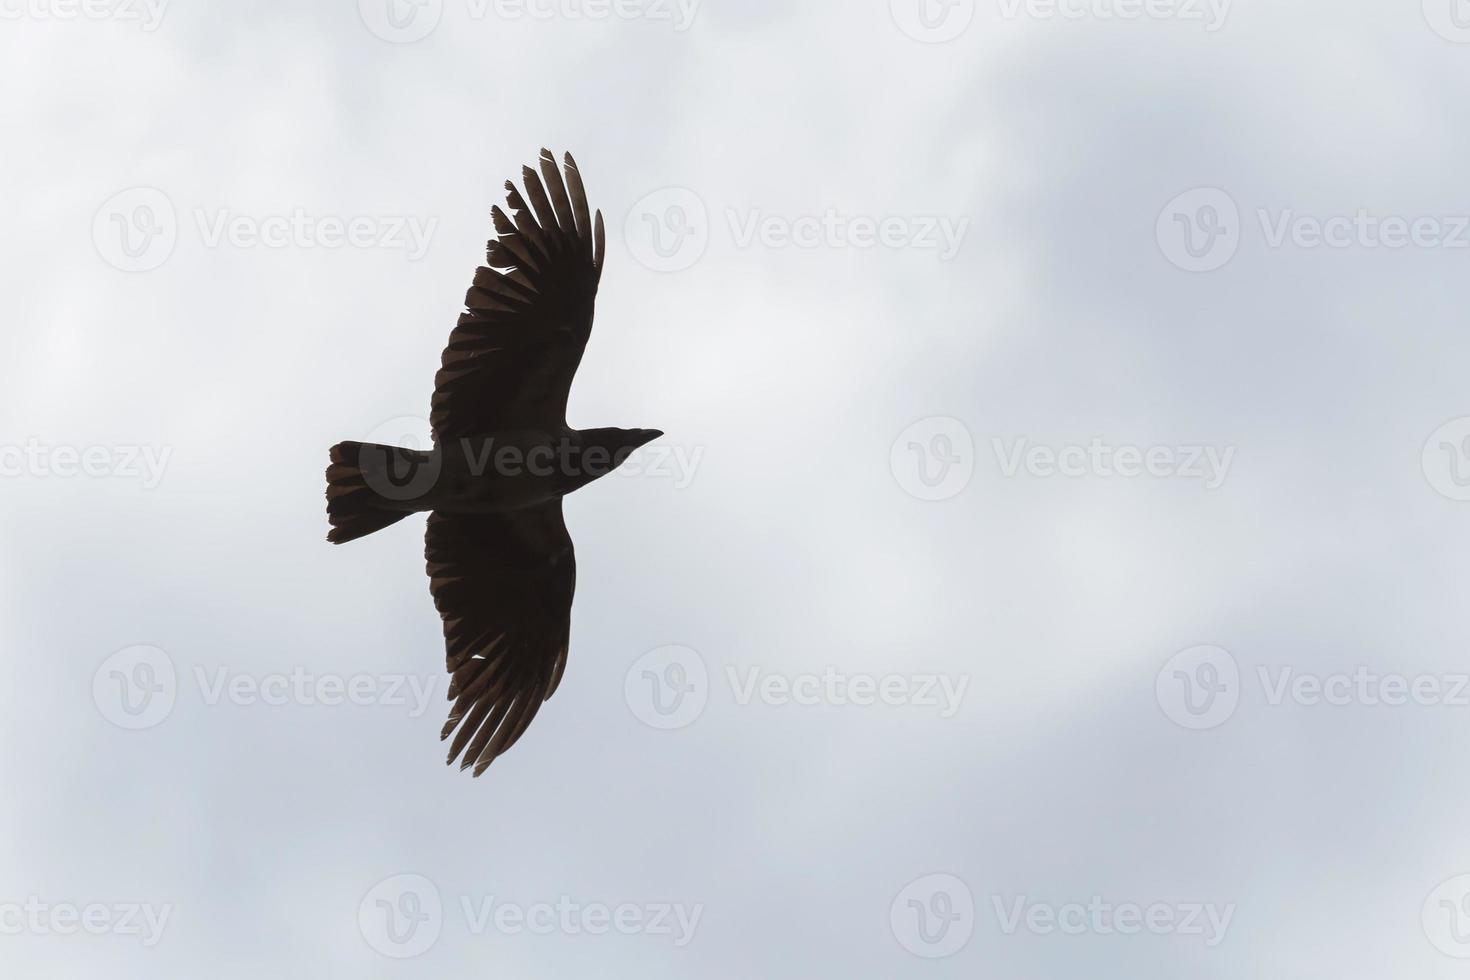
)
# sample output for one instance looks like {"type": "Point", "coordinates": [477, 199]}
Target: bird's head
{"type": "Point", "coordinates": [604, 450]}
{"type": "Point", "coordinates": [621, 443]}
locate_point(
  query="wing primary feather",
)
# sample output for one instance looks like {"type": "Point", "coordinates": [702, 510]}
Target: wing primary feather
{"type": "Point", "coordinates": [558, 191]}
{"type": "Point", "coordinates": [545, 214]}
{"type": "Point", "coordinates": [526, 224]}
{"type": "Point", "coordinates": [510, 730]}
{"type": "Point", "coordinates": [556, 672]}
{"type": "Point", "coordinates": [599, 251]}
{"type": "Point", "coordinates": [468, 727]}
{"type": "Point", "coordinates": [510, 240]}
{"type": "Point", "coordinates": [487, 731]}
{"type": "Point", "coordinates": [580, 209]}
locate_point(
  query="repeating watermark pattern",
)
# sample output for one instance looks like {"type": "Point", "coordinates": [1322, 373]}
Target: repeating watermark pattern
{"type": "Point", "coordinates": [147, 14]}
{"type": "Point", "coordinates": [675, 464]}
{"type": "Point", "coordinates": [570, 458]}
{"type": "Point", "coordinates": [669, 688]}
{"type": "Point", "coordinates": [1100, 917]}
{"type": "Point", "coordinates": [1446, 459]}
{"type": "Point", "coordinates": [933, 21]}
{"type": "Point", "coordinates": [942, 234]}
{"type": "Point", "coordinates": [133, 920]}
{"type": "Point", "coordinates": [670, 230]}
{"type": "Point", "coordinates": [1450, 19]}
{"type": "Point", "coordinates": [1201, 688]}
{"type": "Point", "coordinates": [138, 687]}
{"type": "Point", "coordinates": [403, 916]}
{"type": "Point", "coordinates": [138, 229]}
{"type": "Point", "coordinates": [1446, 917]}
{"type": "Point", "coordinates": [1201, 230]}
{"type": "Point", "coordinates": [304, 229]}
{"type": "Point", "coordinates": [35, 459]}
{"type": "Point", "coordinates": [933, 917]}
{"type": "Point", "coordinates": [401, 476]}
{"type": "Point", "coordinates": [401, 21]}
{"type": "Point", "coordinates": [1211, 14]}
{"type": "Point", "coordinates": [1362, 687]}
{"type": "Point", "coordinates": [1209, 465]}
{"type": "Point", "coordinates": [566, 916]}
{"type": "Point", "coordinates": [1363, 229]}
{"type": "Point", "coordinates": [943, 693]}
{"type": "Point", "coordinates": [415, 474]}
{"type": "Point", "coordinates": [407, 21]}
{"type": "Point", "coordinates": [934, 459]}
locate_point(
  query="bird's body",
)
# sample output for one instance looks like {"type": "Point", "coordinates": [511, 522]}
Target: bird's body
{"type": "Point", "coordinates": [497, 473]}
{"type": "Point", "coordinates": [500, 561]}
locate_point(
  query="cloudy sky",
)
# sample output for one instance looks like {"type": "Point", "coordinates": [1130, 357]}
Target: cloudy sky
{"type": "Point", "coordinates": [1054, 566]}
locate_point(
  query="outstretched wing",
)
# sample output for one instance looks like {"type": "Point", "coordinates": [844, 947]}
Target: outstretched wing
{"type": "Point", "coordinates": [511, 359]}
{"type": "Point", "coordinates": [504, 584]}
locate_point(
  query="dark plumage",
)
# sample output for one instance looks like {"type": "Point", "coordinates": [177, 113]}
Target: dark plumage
{"type": "Point", "coordinates": [501, 564]}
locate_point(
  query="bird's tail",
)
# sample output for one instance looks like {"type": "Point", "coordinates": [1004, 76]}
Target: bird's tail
{"type": "Point", "coordinates": [370, 487]}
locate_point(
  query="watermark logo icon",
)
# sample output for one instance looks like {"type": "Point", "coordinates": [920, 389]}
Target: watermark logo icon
{"type": "Point", "coordinates": [136, 687]}
{"type": "Point", "coordinates": [1199, 231]}
{"type": "Point", "coordinates": [136, 230]}
{"type": "Point", "coordinates": [401, 917]}
{"type": "Point", "coordinates": [1199, 688]}
{"type": "Point", "coordinates": [401, 21]}
{"type": "Point", "coordinates": [1450, 19]}
{"type": "Point", "coordinates": [1446, 917]}
{"type": "Point", "coordinates": [668, 230]}
{"type": "Point", "coordinates": [933, 21]}
{"type": "Point", "coordinates": [934, 459]}
{"type": "Point", "coordinates": [401, 476]}
{"type": "Point", "coordinates": [933, 917]}
{"type": "Point", "coordinates": [667, 688]}
{"type": "Point", "coordinates": [1446, 459]}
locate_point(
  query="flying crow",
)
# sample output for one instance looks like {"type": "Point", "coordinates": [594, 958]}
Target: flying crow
{"type": "Point", "coordinates": [500, 561]}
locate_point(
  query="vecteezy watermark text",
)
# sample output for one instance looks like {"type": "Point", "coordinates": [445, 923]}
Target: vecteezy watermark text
{"type": "Point", "coordinates": [1202, 687]}
{"type": "Point", "coordinates": [935, 916]}
{"type": "Point", "coordinates": [572, 458]}
{"type": "Point", "coordinates": [1100, 917]}
{"type": "Point", "coordinates": [1201, 230]}
{"type": "Point", "coordinates": [670, 230]}
{"type": "Point", "coordinates": [137, 688]}
{"type": "Point", "coordinates": [941, 692]}
{"type": "Point", "coordinates": [1211, 13]}
{"type": "Point", "coordinates": [147, 14]}
{"type": "Point", "coordinates": [411, 474]}
{"type": "Point", "coordinates": [138, 229]}
{"type": "Point", "coordinates": [1208, 464]}
{"type": "Point", "coordinates": [403, 916]}
{"type": "Point", "coordinates": [407, 21]}
{"type": "Point", "coordinates": [834, 230]}
{"type": "Point", "coordinates": [304, 229]}
{"type": "Point", "coordinates": [934, 460]}
{"type": "Point", "coordinates": [40, 918]}
{"type": "Point", "coordinates": [145, 464]}
{"type": "Point", "coordinates": [669, 688]}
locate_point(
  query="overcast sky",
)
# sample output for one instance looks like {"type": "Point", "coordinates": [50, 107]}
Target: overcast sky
{"type": "Point", "coordinates": [1055, 564]}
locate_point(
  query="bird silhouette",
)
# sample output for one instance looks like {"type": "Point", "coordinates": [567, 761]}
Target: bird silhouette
{"type": "Point", "coordinates": [501, 565]}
